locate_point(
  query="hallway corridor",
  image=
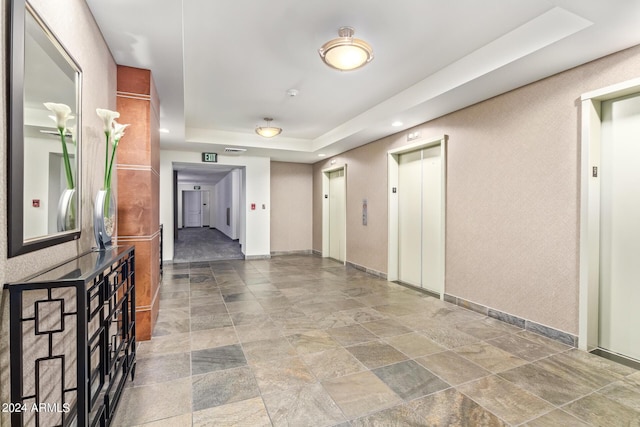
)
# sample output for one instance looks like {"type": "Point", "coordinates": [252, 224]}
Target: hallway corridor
{"type": "Point", "coordinates": [205, 244]}
{"type": "Point", "coordinates": [305, 341]}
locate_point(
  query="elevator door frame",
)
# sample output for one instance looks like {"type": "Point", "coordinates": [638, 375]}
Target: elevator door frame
{"type": "Point", "coordinates": [393, 209]}
{"type": "Point", "coordinates": [325, 211]}
{"type": "Point", "coordinates": [589, 301]}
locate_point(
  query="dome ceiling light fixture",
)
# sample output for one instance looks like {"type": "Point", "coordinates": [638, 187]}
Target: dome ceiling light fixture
{"type": "Point", "coordinates": [346, 53]}
{"type": "Point", "coordinates": [268, 131]}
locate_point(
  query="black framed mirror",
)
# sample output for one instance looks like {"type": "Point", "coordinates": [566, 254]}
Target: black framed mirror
{"type": "Point", "coordinates": [44, 186]}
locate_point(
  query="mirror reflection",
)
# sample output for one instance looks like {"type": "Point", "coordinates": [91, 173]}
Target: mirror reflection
{"type": "Point", "coordinates": [50, 180]}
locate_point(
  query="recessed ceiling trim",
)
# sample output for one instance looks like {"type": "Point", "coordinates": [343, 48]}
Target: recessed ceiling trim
{"type": "Point", "coordinates": [538, 33]}
{"type": "Point", "coordinates": [182, 72]}
{"type": "Point", "coordinates": [222, 137]}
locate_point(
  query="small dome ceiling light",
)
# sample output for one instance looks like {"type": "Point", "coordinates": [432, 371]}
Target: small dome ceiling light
{"type": "Point", "coordinates": [268, 131]}
{"type": "Point", "coordinates": [346, 53]}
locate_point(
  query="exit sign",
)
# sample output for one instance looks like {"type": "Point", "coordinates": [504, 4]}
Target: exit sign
{"type": "Point", "coordinates": [210, 157]}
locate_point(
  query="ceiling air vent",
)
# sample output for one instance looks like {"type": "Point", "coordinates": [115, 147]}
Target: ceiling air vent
{"type": "Point", "coordinates": [233, 150]}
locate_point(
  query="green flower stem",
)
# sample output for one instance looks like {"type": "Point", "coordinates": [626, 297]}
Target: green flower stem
{"type": "Point", "coordinates": [113, 156]}
{"type": "Point", "coordinates": [72, 214]}
{"type": "Point", "coordinates": [107, 202]}
{"type": "Point", "coordinates": [107, 180]}
{"type": "Point", "coordinates": [67, 163]}
{"type": "Point", "coordinates": [106, 159]}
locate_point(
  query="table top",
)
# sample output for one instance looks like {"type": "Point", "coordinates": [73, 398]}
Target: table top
{"type": "Point", "coordinates": [81, 268]}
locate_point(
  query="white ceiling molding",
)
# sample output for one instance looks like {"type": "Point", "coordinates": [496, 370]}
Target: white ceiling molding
{"type": "Point", "coordinates": [220, 67]}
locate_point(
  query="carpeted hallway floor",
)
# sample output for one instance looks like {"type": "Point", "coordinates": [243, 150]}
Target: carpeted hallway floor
{"type": "Point", "coordinates": [205, 244]}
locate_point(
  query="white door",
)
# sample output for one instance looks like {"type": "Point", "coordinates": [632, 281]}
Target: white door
{"type": "Point", "coordinates": [206, 209]}
{"type": "Point", "coordinates": [337, 212]}
{"type": "Point", "coordinates": [420, 218]}
{"type": "Point", "coordinates": [619, 309]}
{"type": "Point", "coordinates": [192, 204]}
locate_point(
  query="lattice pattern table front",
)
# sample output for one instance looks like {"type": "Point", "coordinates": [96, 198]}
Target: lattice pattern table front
{"type": "Point", "coordinates": [72, 340]}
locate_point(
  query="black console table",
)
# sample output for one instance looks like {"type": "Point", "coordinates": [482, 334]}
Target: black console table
{"type": "Point", "coordinates": [72, 340]}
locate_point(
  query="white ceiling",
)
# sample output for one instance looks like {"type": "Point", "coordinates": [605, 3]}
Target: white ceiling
{"type": "Point", "coordinates": [221, 66]}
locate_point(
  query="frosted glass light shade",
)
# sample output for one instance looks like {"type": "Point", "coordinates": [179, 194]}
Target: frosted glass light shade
{"type": "Point", "coordinates": [346, 53]}
{"type": "Point", "coordinates": [268, 131]}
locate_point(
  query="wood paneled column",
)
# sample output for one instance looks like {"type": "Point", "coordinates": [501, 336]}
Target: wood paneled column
{"type": "Point", "coordinates": [139, 188]}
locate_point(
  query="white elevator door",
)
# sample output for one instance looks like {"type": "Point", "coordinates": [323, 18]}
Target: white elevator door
{"type": "Point", "coordinates": [431, 220]}
{"type": "Point", "coordinates": [620, 227]}
{"type": "Point", "coordinates": [337, 220]}
{"type": "Point", "coordinates": [410, 218]}
{"type": "Point", "coordinates": [420, 218]}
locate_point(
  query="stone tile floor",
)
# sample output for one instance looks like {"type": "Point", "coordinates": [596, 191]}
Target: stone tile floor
{"type": "Point", "coordinates": [305, 341]}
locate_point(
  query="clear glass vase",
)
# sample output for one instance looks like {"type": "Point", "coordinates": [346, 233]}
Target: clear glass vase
{"type": "Point", "coordinates": [67, 210]}
{"type": "Point", "coordinates": [104, 218]}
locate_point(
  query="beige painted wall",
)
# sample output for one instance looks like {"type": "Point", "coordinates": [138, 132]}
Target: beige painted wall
{"type": "Point", "coordinates": [366, 179]}
{"type": "Point", "coordinates": [512, 195]}
{"type": "Point", "coordinates": [76, 29]}
{"type": "Point", "coordinates": [291, 213]}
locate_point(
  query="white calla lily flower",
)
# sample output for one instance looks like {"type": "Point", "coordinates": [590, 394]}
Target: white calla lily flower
{"type": "Point", "coordinates": [62, 113]}
{"type": "Point", "coordinates": [73, 131]}
{"type": "Point", "coordinates": [107, 117]}
{"type": "Point", "coordinates": [118, 131]}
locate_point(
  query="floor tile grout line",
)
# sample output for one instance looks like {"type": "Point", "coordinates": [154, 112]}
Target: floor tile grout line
{"type": "Point", "coordinates": [597, 391]}
{"type": "Point", "coordinates": [320, 382]}
{"type": "Point", "coordinates": [491, 374]}
{"type": "Point", "coordinates": [485, 408]}
{"type": "Point", "coordinates": [253, 374]}
{"type": "Point", "coordinates": [554, 410]}
{"type": "Point", "coordinates": [191, 351]}
{"type": "Point", "coordinates": [345, 279]}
